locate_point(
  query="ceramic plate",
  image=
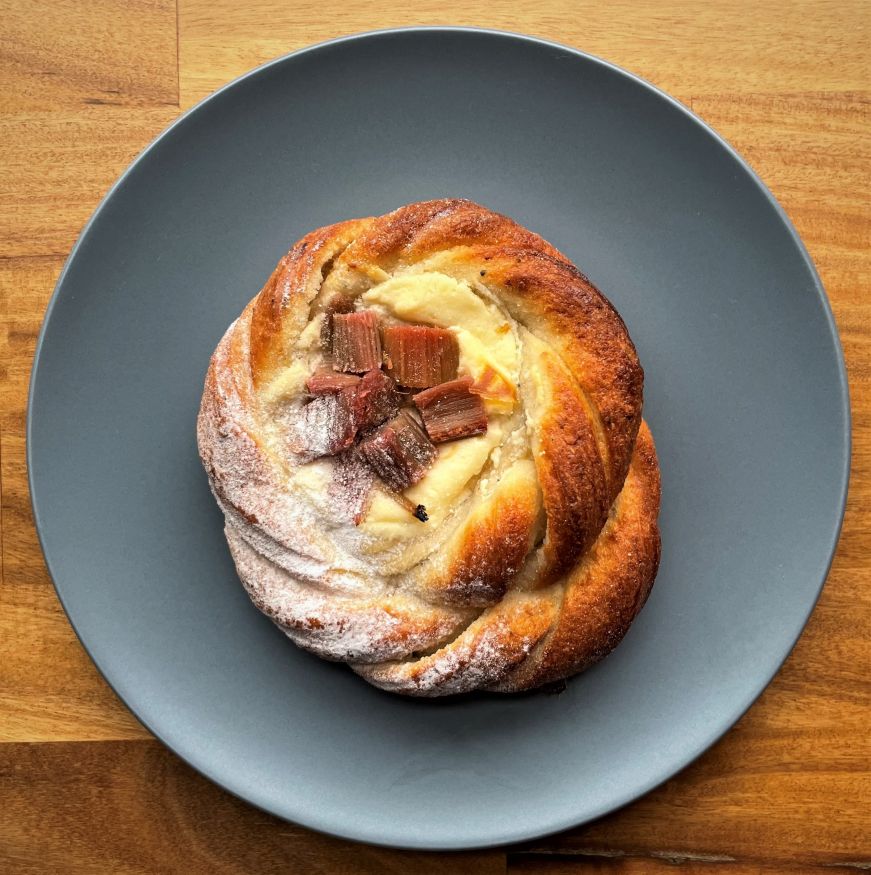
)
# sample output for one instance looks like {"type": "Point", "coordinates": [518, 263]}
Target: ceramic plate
{"type": "Point", "coordinates": [745, 394]}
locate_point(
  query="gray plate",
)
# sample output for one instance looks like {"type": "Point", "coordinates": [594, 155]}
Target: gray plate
{"type": "Point", "coordinates": [746, 396]}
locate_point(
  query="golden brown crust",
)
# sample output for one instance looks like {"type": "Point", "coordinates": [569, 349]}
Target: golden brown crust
{"type": "Point", "coordinates": [608, 589]}
{"type": "Point", "coordinates": [570, 469]}
{"type": "Point", "coordinates": [541, 568]}
{"type": "Point", "coordinates": [281, 310]}
{"type": "Point", "coordinates": [494, 644]}
{"type": "Point", "coordinates": [490, 548]}
{"type": "Point", "coordinates": [413, 232]}
{"type": "Point", "coordinates": [548, 295]}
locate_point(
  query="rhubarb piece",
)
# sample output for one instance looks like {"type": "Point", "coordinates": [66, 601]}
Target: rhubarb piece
{"type": "Point", "coordinates": [399, 452]}
{"type": "Point", "coordinates": [325, 426]}
{"type": "Point", "coordinates": [451, 410]}
{"type": "Point", "coordinates": [418, 356]}
{"type": "Point", "coordinates": [375, 400]}
{"type": "Point", "coordinates": [351, 487]}
{"type": "Point", "coordinates": [356, 342]}
{"type": "Point", "coordinates": [344, 404]}
{"type": "Point", "coordinates": [337, 303]}
{"type": "Point", "coordinates": [327, 382]}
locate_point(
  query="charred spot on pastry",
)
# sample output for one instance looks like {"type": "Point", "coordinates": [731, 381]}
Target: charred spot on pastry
{"type": "Point", "coordinates": [418, 511]}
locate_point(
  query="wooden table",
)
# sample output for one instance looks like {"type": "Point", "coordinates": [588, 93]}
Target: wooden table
{"type": "Point", "coordinates": [83, 787]}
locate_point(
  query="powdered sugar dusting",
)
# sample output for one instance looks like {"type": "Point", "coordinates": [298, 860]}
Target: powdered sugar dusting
{"type": "Point", "coordinates": [351, 487]}
{"type": "Point", "coordinates": [478, 658]}
{"type": "Point", "coordinates": [322, 427]}
{"type": "Point", "coordinates": [240, 473]}
{"type": "Point", "coordinates": [337, 627]}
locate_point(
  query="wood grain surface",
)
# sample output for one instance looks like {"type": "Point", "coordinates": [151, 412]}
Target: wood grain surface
{"type": "Point", "coordinates": [83, 88]}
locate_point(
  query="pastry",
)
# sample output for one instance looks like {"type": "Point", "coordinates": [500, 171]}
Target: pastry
{"type": "Point", "coordinates": [425, 435]}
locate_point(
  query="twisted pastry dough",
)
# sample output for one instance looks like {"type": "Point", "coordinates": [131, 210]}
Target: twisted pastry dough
{"type": "Point", "coordinates": [542, 543]}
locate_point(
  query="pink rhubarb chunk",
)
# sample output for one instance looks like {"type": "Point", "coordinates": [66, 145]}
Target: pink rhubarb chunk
{"type": "Point", "coordinates": [337, 303]}
{"type": "Point", "coordinates": [451, 410]}
{"type": "Point", "coordinates": [326, 382]}
{"type": "Point", "coordinates": [419, 356]}
{"type": "Point", "coordinates": [375, 399]}
{"type": "Point", "coordinates": [356, 342]}
{"type": "Point", "coordinates": [400, 453]}
{"type": "Point", "coordinates": [325, 426]}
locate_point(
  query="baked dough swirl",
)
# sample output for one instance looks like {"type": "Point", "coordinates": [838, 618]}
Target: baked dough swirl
{"type": "Point", "coordinates": [542, 541]}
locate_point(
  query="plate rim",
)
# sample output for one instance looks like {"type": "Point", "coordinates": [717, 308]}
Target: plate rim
{"type": "Point", "coordinates": [520, 834]}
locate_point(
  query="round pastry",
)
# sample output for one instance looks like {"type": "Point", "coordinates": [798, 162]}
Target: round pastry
{"type": "Point", "coordinates": [425, 435]}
